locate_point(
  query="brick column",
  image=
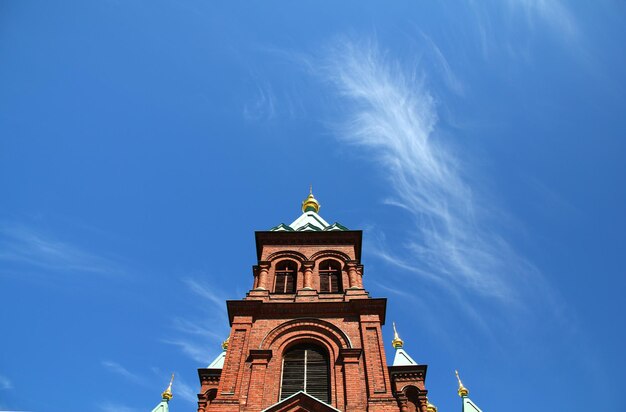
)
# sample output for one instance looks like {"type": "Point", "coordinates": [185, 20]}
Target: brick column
{"type": "Point", "coordinates": [308, 274]}
{"type": "Point", "coordinates": [352, 380]}
{"type": "Point", "coordinates": [359, 271]}
{"type": "Point", "coordinates": [264, 268]}
{"type": "Point", "coordinates": [352, 273]}
{"type": "Point", "coordinates": [259, 360]}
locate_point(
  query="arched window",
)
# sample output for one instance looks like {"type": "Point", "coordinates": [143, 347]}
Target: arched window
{"type": "Point", "coordinates": [305, 368]}
{"type": "Point", "coordinates": [286, 277]}
{"type": "Point", "coordinates": [330, 276]}
{"type": "Point", "coordinates": [412, 395]}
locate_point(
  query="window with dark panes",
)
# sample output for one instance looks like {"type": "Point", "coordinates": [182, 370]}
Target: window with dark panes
{"type": "Point", "coordinates": [286, 277]}
{"type": "Point", "coordinates": [330, 276]}
{"type": "Point", "coordinates": [305, 368]}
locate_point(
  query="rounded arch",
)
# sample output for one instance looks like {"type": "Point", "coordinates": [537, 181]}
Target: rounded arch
{"type": "Point", "coordinates": [305, 368]}
{"type": "Point", "coordinates": [307, 330]}
{"type": "Point", "coordinates": [412, 393]}
{"type": "Point", "coordinates": [286, 254]}
{"type": "Point", "coordinates": [342, 257]}
{"type": "Point", "coordinates": [211, 394]}
{"type": "Point", "coordinates": [321, 329]}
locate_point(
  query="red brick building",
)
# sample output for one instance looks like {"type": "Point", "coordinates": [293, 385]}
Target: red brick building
{"type": "Point", "coordinates": [307, 336]}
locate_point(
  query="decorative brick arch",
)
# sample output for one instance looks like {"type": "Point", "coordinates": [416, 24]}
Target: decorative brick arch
{"type": "Point", "coordinates": [330, 253]}
{"type": "Point", "coordinates": [306, 330]}
{"type": "Point", "coordinates": [314, 326]}
{"type": "Point", "coordinates": [287, 254]}
{"type": "Point", "coordinates": [333, 255]}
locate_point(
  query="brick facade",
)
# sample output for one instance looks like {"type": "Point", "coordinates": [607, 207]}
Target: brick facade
{"type": "Point", "coordinates": [347, 325]}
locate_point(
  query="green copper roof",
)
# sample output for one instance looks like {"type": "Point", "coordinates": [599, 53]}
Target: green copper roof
{"type": "Point", "coordinates": [402, 358]}
{"type": "Point", "coordinates": [162, 407]}
{"type": "Point", "coordinates": [309, 221]}
{"type": "Point", "coordinates": [218, 363]}
{"type": "Point", "coordinates": [469, 406]}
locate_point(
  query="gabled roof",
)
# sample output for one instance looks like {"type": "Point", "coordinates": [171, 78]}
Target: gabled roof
{"type": "Point", "coordinates": [402, 358]}
{"type": "Point", "coordinates": [218, 363]}
{"type": "Point", "coordinates": [309, 221]}
{"type": "Point", "coordinates": [301, 401]}
{"type": "Point", "coordinates": [162, 407]}
{"type": "Point", "coordinates": [309, 218]}
{"type": "Point", "coordinates": [469, 406]}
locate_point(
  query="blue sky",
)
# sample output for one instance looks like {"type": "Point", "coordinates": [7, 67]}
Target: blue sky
{"type": "Point", "coordinates": [479, 145]}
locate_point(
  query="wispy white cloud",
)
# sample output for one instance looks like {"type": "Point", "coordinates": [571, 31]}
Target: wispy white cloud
{"type": "Point", "coordinates": [199, 338]}
{"type": "Point", "coordinates": [213, 296]}
{"type": "Point", "coordinates": [5, 383]}
{"type": "Point", "coordinates": [451, 242]}
{"type": "Point", "coordinates": [116, 407]}
{"type": "Point", "coordinates": [450, 78]}
{"type": "Point", "coordinates": [262, 105]}
{"type": "Point", "coordinates": [185, 391]}
{"type": "Point", "coordinates": [23, 245]}
{"type": "Point", "coordinates": [553, 13]}
{"type": "Point", "coordinates": [121, 370]}
{"type": "Point", "coordinates": [198, 351]}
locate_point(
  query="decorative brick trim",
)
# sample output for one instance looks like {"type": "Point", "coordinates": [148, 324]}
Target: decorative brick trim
{"type": "Point", "coordinates": [307, 324]}
{"type": "Point", "coordinates": [288, 254]}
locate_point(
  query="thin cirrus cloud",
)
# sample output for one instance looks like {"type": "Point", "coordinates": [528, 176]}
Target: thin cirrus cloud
{"type": "Point", "coordinates": [116, 407]}
{"type": "Point", "coordinates": [195, 338]}
{"type": "Point", "coordinates": [552, 12]}
{"type": "Point", "coordinates": [392, 116]}
{"type": "Point", "coordinates": [118, 369]}
{"type": "Point", "coordinates": [5, 383]}
{"type": "Point", "coordinates": [23, 245]}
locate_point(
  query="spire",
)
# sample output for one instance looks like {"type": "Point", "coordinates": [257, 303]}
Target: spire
{"type": "Point", "coordinates": [310, 203]}
{"type": "Point", "coordinates": [396, 342]}
{"type": "Point", "coordinates": [463, 391]}
{"type": "Point", "coordinates": [167, 394]}
{"type": "Point", "coordinates": [165, 398]}
{"type": "Point", "coordinates": [402, 358]}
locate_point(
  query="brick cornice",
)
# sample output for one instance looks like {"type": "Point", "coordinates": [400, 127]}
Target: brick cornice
{"type": "Point", "coordinates": [208, 375]}
{"type": "Point", "coordinates": [408, 373]}
{"type": "Point", "coordinates": [289, 310]}
{"type": "Point", "coordinates": [347, 237]}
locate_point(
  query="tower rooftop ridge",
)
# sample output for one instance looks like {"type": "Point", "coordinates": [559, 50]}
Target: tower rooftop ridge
{"type": "Point", "coordinates": [309, 220]}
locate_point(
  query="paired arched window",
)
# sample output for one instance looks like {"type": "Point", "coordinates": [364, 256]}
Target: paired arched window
{"type": "Point", "coordinates": [285, 277]}
{"type": "Point", "coordinates": [305, 368]}
{"type": "Point", "coordinates": [330, 276]}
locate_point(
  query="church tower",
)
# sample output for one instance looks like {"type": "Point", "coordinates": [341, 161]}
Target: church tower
{"type": "Point", "coordinates": [307, 336]}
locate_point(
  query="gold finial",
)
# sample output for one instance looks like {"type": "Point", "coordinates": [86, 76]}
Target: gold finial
{"type": "Point", "coordinates": [430, 407]}
{"type": "Point", "coordinates": [225, 344]}
{"type": "Point", "coordinates": [167, 394]}
{"type": "Point", "coordinates": [397, 343]}
{"type": "Point", "coordinates": [463, 391]}
{"type": "Point", "coordinates": [310, 203]}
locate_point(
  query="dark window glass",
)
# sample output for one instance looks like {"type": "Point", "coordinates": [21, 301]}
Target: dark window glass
{"type": "Point", "coordinates": [330, 276]}
{"type": "Point", "coordinates": [305, 368]}
{"type": "Point", "coordinates": [286, 277]}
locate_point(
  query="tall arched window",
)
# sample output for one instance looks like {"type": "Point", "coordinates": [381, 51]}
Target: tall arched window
{"type": "Point", "coordinates": [305, 368]}
{"type": "Point", "coordinates": [286, 277]}
{"type": "Point", "coordinates": [330, 276]}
